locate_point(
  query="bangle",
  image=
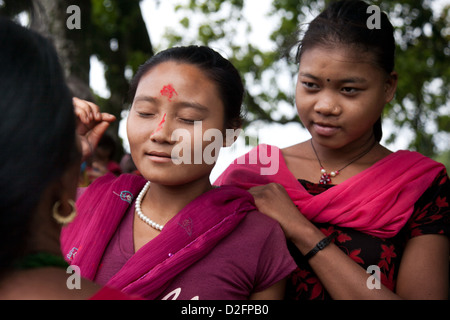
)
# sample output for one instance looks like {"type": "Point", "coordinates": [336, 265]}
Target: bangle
{"type": "Point", "coordinates": [321, 245]}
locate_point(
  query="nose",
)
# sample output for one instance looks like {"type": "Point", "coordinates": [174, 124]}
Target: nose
{"type": "Point", "coordinates": [161, 123]}
{"type": "Point", "coordinates": [162, 133]}
{"type": "Point", "coordinates": [327, 106]}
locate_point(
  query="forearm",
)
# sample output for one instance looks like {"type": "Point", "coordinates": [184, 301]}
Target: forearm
{"type": "Point", "coordinates": [339, 274]}
{"type": "Point", "coordinates": [422, 272]}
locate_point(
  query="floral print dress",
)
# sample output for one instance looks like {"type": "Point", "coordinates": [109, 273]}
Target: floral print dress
{"type": "Point", "coordinates": [431, 215]}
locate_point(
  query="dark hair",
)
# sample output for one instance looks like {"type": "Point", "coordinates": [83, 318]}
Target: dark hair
{"type": "Point", "coordinates": [108, 143]}
{"type": "Point", "coordinates": [37, 131]}
{"type": "Point", "coordinates": [217, 68]}
{"type": "Point", "coordinates": [345, 23]}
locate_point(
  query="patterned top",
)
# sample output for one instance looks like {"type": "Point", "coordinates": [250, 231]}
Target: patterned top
{"type": "Point", "coordinates": [431, 216]}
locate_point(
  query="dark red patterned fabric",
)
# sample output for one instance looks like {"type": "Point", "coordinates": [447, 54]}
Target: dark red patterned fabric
{"type": "Point", "coordinates": [431, 216]}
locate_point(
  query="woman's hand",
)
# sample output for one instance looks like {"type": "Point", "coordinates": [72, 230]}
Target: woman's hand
{"type": "Point", "coordinates": [273, 200]}
{"type": "Point", "coordinates": [91, 125]}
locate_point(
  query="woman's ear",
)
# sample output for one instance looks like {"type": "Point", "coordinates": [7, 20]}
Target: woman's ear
{"type": "Point", "coordinates": [65, 193]}
{"type": "Point", "coordinates": [59, 197]}
{"type": "Point", "coordinates": [68, 182]}
{"type": "Point", "coordinates": [390, 86]}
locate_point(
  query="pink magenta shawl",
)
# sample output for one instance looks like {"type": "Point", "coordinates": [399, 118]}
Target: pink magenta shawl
{"type": "Point", "coordinates": [378, 201]}
{"type": "Point", "coordinates": [185, 239]}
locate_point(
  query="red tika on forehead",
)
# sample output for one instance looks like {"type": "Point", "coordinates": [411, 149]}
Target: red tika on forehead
{"type": "Point", "coordinates": [168, 91]}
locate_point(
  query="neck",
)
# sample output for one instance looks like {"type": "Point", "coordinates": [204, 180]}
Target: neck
{"type": "Point", "coordinates": [162, 203]}
{"type": "Point", "coordinates": [335, 158]}
{"type": "Point", "coordinates": [44, 235]}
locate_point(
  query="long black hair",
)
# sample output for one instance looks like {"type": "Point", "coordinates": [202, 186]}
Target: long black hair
{"type": "Point", "coordinates": [37, 131]}
{"type": "Point", "coordinates": [345, 23]}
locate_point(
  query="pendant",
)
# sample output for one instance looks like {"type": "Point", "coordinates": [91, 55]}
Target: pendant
{"type": "Point", "coordinates": [325, 178]}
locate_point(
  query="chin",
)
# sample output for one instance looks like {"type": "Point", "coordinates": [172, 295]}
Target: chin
{"type": "Point", "coordinates": [174, 178]}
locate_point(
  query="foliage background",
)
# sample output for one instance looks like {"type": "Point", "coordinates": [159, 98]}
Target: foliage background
{"type": "Point", "coordinates": [115, 33]}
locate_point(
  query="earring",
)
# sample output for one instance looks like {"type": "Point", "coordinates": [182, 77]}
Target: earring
{"type": "Point", "coordinates": [64, 219]}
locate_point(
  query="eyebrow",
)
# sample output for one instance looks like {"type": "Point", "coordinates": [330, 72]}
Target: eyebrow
{"type": "Point", "coordinates": [180, 104]}
{"type": "Point", "coordinates": [345, 80]}
{"type": "Point", "coordinates": [145, 98]}
{"type": "Point", "coordinates": [308, 75]}
{"type": "Point", "coordinates": [193, 105]}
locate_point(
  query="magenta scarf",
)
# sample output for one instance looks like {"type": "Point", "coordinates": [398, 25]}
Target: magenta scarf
{"type": "Point", "coordinates": [185, 239]}
{"type": "Point", "coordinates": [378, 201]}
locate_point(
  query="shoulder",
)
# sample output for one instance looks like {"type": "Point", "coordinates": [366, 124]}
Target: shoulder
{"type": "Point", "coordinates": [260, 219]}
{"type": "Point", "coordinates": [415, 157]}
{"type": "Point", "coordinates": [296, 149]}
{"type": "Point", "coordinates": [256, 239]}
{"type": "Point", "coordinates": [431, 213]}
{"type": "Point", "coordinates": [258, 153]}
{"type": "Point", "coordinates": [300, 151]}
{"type": "Point", "coordinates": [257, 227]}
{"type": "Point", "coordinates": [246, 170]}
{"type": "Point", "coordinates": [247, 242]}
{"type": "Point", "coordinates": [415, 166]}
{"type": "Point", "coordinates": [128, 182]}
{"type": "Point", "coordinates": [110, 179]}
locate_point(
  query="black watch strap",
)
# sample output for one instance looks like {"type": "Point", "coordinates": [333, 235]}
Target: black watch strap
{"type": "Point", "coordinates": [321, 245]}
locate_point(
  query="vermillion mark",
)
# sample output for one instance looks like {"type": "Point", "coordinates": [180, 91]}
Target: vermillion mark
{"type": "Point", "coordinates": [168, 91]}
{"type": "Point", "coordinates": [160, 125]}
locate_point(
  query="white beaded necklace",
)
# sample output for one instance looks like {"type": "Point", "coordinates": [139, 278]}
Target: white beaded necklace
{"type": "Point", "coordinates": [143, 217]}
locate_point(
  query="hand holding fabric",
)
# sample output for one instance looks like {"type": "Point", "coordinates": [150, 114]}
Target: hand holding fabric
{"type": "Point", "coordinates": [273, 200]}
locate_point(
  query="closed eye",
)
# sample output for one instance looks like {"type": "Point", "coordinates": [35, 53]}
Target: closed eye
{"type": "Point", "coordinates": [189, 121]}
{"type": "Point", "coordinates": [145, 114]}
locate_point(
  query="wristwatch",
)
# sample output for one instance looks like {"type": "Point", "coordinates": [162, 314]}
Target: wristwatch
{"type": "Point", "coordinates": [321, 245]}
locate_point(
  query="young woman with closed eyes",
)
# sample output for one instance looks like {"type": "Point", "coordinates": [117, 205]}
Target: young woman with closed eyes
{"type": "Point", "coordinates": [169, 234]}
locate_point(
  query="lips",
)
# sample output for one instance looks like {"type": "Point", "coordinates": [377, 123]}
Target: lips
{"type": "Point", "coordinates": [159, 154]}
{"type": "Point", "coordinates": [160, 157]}
{"type": "Point", "coordinates": [325, 129]}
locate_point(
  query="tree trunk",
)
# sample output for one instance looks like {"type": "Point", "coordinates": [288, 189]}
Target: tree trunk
{"type": "Point", "coordinates": [49, 18]}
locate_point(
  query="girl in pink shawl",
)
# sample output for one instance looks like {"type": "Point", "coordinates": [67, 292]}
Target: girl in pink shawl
{"type": "Point", "coordinates": [373, 224]}
{"type": "Point", "coordinates": [168, 234]}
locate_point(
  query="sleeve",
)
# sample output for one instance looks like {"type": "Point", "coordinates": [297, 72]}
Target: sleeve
{"type": "Point", "coordinates": [432, 211]}
{"type": "Point", "coordinates": [275, 262]}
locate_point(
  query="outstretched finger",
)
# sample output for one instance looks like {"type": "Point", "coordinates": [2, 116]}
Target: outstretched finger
{"type": "Point", "coordinates": [107, 117]}
{"type": "Point", "coordinates": [86, 111]}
